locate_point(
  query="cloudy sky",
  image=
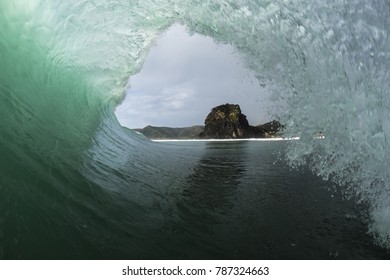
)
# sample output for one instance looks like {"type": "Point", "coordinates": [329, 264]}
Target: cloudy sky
{"type": "Point", "coordinates": [184, 77]}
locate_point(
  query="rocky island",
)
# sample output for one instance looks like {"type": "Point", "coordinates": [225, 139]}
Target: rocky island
{"type": "Point", "coordinates": [223, 122]}
{"type": "Point", "coordinates": [227, 122]}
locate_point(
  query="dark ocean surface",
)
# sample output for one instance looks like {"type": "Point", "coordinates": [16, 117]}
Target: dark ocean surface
{"type": "Point", "coordinates": [210, 200]}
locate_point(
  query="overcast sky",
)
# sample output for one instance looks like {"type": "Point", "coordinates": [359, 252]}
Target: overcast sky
{"type": "Point", "coordinates": [183, 78]}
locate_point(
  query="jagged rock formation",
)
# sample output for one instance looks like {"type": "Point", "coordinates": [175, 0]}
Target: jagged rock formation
{"type": "Point", "coordinates": [269, 129]}
{"type": "Point", "coordinates": [224, 122]}
{"type": "Point", "coordinates": [227, 122]}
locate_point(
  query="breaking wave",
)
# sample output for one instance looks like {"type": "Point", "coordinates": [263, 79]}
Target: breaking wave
{"type": "Point", "coordinates": [65, 67]}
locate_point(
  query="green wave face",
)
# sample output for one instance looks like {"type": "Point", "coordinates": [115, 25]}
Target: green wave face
{"type": "Point", "coordinates": [65, 65]}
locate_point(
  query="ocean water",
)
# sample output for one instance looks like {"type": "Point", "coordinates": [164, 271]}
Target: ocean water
{"type": "Point", "coordinates": [74, 184]}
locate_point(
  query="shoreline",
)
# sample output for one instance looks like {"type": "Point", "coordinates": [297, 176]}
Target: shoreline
{"type": "Point", "coordinates": [226, 140]}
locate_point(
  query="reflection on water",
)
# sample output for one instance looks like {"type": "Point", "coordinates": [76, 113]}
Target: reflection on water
{"type": "Point", "coordinates": [241, 202]}
{"type": "Point", "coordinates": [214, 181]}
{"type": "Point", "coordinates": [205, 198]}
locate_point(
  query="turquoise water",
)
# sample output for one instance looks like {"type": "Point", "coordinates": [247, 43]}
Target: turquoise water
{"type": "Point", "coordinates": [74, 184]}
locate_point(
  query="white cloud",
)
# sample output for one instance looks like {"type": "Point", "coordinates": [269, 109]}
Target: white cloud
{"type": "Point", "coordinates": [157, 108]}
{"type": "Point", "coordinates": [177, 96]}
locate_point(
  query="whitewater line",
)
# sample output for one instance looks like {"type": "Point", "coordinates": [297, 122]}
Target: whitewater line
{"type": "Point", "coordinates": [227, 140]}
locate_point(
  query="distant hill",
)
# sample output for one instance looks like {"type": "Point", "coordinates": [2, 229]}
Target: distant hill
{"type": "Point", "coordinates": [156, 132]}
